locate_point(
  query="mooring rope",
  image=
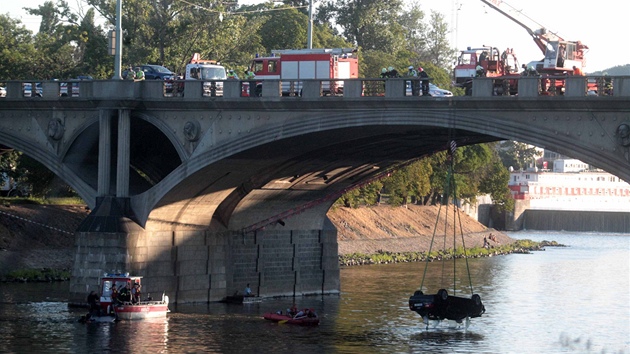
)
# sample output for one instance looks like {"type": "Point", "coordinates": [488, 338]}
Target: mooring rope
{"type": "Point", "coordinates": [36, 223]}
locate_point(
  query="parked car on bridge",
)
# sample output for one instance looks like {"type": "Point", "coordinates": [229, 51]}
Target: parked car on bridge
{"type": "Point", "coordinates": [28, 89]}
{"type": "Point", "coordinates": [3, 91]}
{"type": "Point", "coordinates": [434, 91]}
{"type": "Point", "coordinates": [155, 72]}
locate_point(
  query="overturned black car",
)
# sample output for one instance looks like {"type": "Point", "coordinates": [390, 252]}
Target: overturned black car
{"type": "Point", "coordinates": [441, 306]}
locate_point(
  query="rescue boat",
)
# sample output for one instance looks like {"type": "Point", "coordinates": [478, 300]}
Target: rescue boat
{"type": "Point", "coordinates": [126, 307]}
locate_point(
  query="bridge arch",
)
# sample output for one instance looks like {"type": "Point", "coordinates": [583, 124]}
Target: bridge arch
{"type": "Point", "coordinates": [225, 181]}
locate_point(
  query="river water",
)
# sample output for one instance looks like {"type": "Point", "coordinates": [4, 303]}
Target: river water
{"type": "Point", "coordinates": [574, 299]}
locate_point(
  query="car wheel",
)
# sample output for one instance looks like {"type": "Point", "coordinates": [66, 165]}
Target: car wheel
{"type": "Point", "coordinates": [476, 299]}
{"type": "Point", "coordinates": [442, 294]}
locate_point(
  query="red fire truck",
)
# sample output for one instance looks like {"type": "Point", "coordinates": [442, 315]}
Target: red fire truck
{"type": "Point", "coordinates": [293, 65]}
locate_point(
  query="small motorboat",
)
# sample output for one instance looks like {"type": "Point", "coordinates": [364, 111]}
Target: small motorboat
{"type": "Point", "coordinates": [284, 318]}
{"type": "Point", "coordinates": [123, 304]}
{"type": "Point", "coordinates": [442, 306]}
{"type": "Point", "coordinates": [242, 299]}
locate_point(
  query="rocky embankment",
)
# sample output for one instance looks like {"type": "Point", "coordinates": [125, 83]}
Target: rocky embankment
{"type": "Point", "coordinates": [42, 236]}
{"type": "Point", "coordinates": [407, 229]}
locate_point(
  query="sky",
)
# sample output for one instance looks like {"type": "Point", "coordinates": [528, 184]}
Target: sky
{"type": "Point", "coordinates": [602, 26]}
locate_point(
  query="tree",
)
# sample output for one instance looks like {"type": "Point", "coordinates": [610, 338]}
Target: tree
{"type": "Point", "coordinates": [411, 181]}
{"type": "Point", "coordinates": [279, 24]}
{"type": "Point", "coordinates": [370, 24]}
{"type": "Point", "coordinates": [495, 183]}
{"type": "Point", "coordinates": [437, 50]}
{"type": "Point", "coordinates": [16, 50]}
{"type": "Point", "coordinates": [517, 155]}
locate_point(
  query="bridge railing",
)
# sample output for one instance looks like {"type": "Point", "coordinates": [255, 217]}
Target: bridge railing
{"type": "Point", "coordinates": [525, 86]}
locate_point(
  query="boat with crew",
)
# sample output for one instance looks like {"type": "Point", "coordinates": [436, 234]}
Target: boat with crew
{"type": "Point", "coordinates": [242, 299]}
{"type": "Point", "coordinates": [127, 302]}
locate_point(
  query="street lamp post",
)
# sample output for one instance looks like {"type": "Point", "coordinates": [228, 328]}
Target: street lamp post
{"type": "Point", "coordinates": [118, 54]}
{"type": "Point", "coordinates": [310, 25]}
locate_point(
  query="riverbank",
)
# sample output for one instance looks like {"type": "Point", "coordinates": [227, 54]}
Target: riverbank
{"type": "Point", "coordinates": [39, 239]}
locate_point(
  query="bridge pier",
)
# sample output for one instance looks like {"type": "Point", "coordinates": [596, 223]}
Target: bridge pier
{"type": "Point", "coordinates": [204, 266]}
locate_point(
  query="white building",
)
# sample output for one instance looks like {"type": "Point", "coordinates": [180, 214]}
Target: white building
{"type": "Point", "coordinates": [596, 191]}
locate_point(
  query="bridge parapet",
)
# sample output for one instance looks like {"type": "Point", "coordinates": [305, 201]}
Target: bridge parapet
{"type": "Point", "coordinates": [526, 86]}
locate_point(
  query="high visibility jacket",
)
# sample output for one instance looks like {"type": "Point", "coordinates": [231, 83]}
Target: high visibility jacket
{"type": "Point", "coordinates": [139, 75]}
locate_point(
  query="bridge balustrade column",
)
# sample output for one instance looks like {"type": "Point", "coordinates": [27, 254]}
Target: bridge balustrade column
{"type": "Point", "coordinates": [312, 88]}
{"type": "Point", "coordinates": [395, 88]}
{"type": "Point", "coordinates": [271, 88]}
{"type": "Point", "coordinates": [104, 152]}
{"type": "Point", "coordinates": [621, 86]}
{"type": "Point", "coordinates": [14, 89]}
{"type": "Point", "coordinates": [122, 166]}
{"type": "Point", "coordinates": [353, 88]}
{"type": "Point", "coordinates": [482, 87]}
{"type": "Point", "coordinates": [575, 86]}
{"type": "Point", "coordinates": [193, 89]}
{"type": "Point", "coordinates": [528, 87]}
{"type": "Point", "coordinates": [232, 88]}
{"type": "Point", "coordinates": [50, 89]}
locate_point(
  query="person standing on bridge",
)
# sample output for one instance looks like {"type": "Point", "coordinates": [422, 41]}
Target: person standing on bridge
{"type": "Point", "coordinates": [425, 81]}
{"type": "Point", "coordinates": [415, 84]}
{"type": "Point", "coordinates": [139, 75]}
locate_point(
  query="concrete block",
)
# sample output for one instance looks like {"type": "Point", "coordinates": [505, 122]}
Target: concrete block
{"type": "Point", "coordinates": [395, 88]}
{"type": "Point", "coordinates": [192, 267]}
{"type": "Point", "coordinates": [152, 88]}
{"type": "Point", "coordinates": [528, 86]}
{"type": "Point", "coordinates": [193, 89]}
{"type": "Point", "coordinates": [192, 252]}
{"type": "Point", "coordinates": [312, 88]}
{"type": "Point", "coordinates": [232, 88]}
{"type": "Point", "coordinates": [271, 88]}
{"type": "Point", "coordinates": [192, 296]}
{"type": "Point", "coordinates": [352, 88]}
{"type": "Point", "coordinates": [482, 87]}
{"type": "Point", "coordinates": [575, 86]}
{"type": "Point", "coordinates": [193, 282]}
{"type": "Point", "coordinates": [622, 86]}
{"type": "Point", "coordinates": [188, 238]}
{"type": "Point", "coordinates": [160, 238]}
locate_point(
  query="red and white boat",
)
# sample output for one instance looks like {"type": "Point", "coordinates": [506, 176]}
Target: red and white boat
{"type": "Point", "coordinates": [126, 307]}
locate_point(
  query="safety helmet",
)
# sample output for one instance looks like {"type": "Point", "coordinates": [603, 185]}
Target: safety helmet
{"type": "Point", "coordinates": [383, 70]}
{"type": "Point", "coordinates": [410, 67]}
{"type": "Point", "coordinates": [390, 68]}
{"type": "Point", "coordinates": [419, 68]}
{"type": "Point", "coordinates": [231, 70]}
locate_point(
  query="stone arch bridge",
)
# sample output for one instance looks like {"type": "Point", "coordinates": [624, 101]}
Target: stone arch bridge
{"type": "Point", "coordinates": [202, 195]}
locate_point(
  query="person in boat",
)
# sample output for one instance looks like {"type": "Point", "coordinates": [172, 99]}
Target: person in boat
{"type": "Point", "coordinates": [300, 314]}
{"type": "Point", "coordinates": [93, 302]}
{"type": "Point", "coordinates": [135, 293]}
{"type": "Point", "coordinates": [115, 300]}
{"type": "Point", "coordinates": [292, 311]}
{"type": "Point", "coordinates": [124, 294]}
{"type": "Point", "coordinates": [311, 313]}
{"type": "Point", "coordinates": [248, 291]}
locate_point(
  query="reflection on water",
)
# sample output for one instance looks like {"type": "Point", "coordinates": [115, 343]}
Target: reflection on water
{"type": "Point", "coordinates": [573, 299]}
